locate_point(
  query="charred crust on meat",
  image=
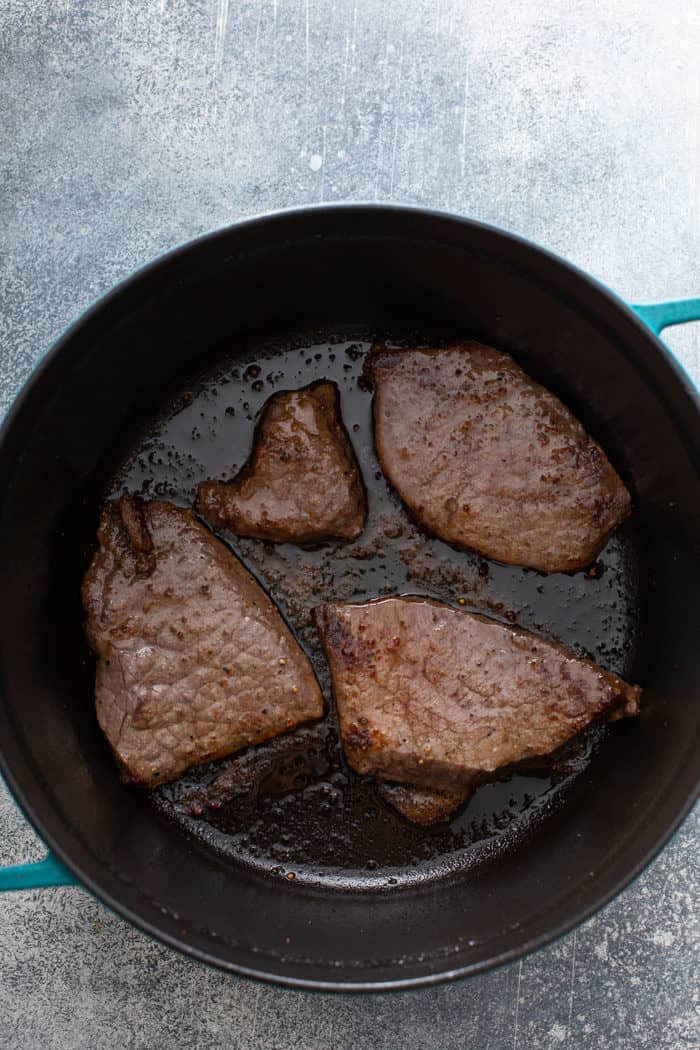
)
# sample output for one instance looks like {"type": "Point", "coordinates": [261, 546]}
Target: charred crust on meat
{"type": "Point", "coordinates": [378, 359]}
{"type": "Point", "coordinates": [353, 649]}
{"type": "Point", "coordinates": [134, 525]}
{"type": "Point", "coordinates": [360, 738]}
{"type": "Point", "coordinates": [623, 704]}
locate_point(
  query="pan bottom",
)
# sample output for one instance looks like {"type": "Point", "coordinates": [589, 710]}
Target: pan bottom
{"type": "Point", "coordinates": [313, 819]}
{"type": "Point", "coordinates": [335, 830]}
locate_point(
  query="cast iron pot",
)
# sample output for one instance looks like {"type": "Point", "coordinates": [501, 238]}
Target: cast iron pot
{"type": "Point", "coordinates": [316, 268]}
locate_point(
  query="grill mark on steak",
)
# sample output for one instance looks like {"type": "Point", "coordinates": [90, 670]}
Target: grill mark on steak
{"type": "Point", "coordinates": [460, 696]}
{"type": "Point", "coordinates": [487, 459]}
{"type": "Point", "coordinates": [194, 660]}
{"type": "Point", "coordinates": [301, 483]}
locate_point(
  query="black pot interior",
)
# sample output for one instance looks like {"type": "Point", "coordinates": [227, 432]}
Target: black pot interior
{"type": "Point", "coordinates": [323, 277]}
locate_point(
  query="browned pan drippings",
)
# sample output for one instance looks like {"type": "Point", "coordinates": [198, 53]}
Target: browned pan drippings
{"type": "Point", "coordinates": [297, 810]}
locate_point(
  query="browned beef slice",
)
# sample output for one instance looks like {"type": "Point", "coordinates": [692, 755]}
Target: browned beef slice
{"type": "Point", "coordinates": [428, 694]}
{"type": "Point", "coordinates": [422, 805]}
{"type": "Point", "coordinates": [195, 662]}
{"type": "Point", "coordinates": [301, 484]}
{"type": "Point", "coordinates": [486, 458]}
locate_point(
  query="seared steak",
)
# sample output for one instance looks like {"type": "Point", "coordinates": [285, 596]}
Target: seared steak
{"type": "Point", "coordinates": [301, 484]}
{"type": "Point", "coordinates": [195, 662]}
{"type": "Point", "coordinates": [486, 458]}
{"type": "Point", "coordinates": [422, 805]}
{"type": "Point", "coordinates": [431, 695]}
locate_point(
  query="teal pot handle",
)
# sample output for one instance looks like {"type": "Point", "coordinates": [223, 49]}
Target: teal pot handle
{"type": "Point", "coordinates": [660, 315]}
{"type": "Point", "coordinates": [47, 872]}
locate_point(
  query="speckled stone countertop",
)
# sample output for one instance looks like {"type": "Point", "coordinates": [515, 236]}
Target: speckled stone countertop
{"type": "Point", "coordinates": [128, 126]}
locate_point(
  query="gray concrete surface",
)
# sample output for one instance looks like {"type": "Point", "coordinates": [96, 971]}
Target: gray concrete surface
{"type": "Point", "coordinates": [128, 126]}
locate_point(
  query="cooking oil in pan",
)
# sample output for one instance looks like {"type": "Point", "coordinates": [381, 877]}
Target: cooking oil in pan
{"type": "Point", "coordinates": [295, 809]}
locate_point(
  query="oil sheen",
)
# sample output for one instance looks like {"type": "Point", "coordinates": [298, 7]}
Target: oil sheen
{"type": "Point", "coordinates": [292, 808]}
